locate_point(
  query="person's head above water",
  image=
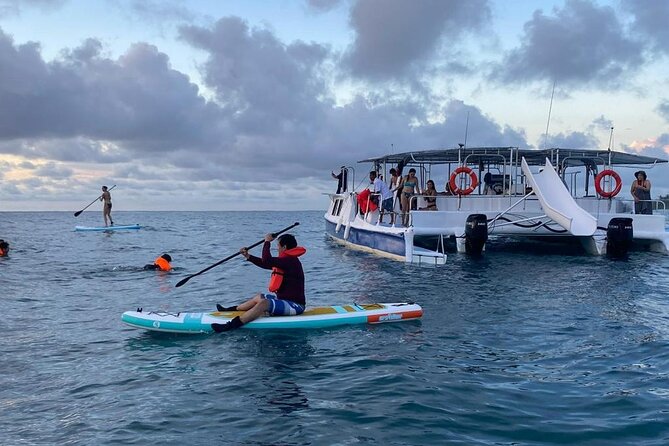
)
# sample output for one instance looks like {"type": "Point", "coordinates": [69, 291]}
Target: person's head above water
{"type": "Point", "coordinates": [167, 257]}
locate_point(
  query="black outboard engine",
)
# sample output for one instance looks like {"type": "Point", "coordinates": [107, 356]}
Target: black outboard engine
{"type": "Point", "coordinates": [619, 236]}
{"type": "Point", "coordinates": [476, 233]}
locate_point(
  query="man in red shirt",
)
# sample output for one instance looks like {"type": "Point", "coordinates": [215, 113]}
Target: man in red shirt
{"type": "Point", "coordinates": [286, 282]}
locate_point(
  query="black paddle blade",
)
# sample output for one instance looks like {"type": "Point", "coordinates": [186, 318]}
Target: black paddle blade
{"type": "Point", "coordinates": [78, 213]}
{"type": "Point", "coordinates": [182, 281]}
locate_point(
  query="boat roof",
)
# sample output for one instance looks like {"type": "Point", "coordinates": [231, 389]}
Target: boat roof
{"type": "Point", "coordinates": [534, 157]}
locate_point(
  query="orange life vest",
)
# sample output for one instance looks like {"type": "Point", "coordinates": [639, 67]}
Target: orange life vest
{"type": "Point", "coordinates": [3, 252]}
{"type": "Point", "coordinates": [162, 264]}
{"type": "Point", "coordinates": [276, 279]}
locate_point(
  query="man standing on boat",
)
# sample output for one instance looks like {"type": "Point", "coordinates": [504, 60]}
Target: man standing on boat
{"type": "Point", "coordinates": [380, 187]}
{"type": "Point", "coordinates": [107, 206]}
{"type": "Point", "coordinates": [342, 180]}
{"type": "Point", "coordinates": [286, 282]}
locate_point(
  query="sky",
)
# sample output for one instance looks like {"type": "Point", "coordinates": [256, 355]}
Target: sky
{"type": "Point", "coordinates": [249, 104]}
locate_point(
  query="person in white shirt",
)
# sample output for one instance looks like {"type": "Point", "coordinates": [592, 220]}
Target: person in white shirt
{"type": "Point", "coordinates": [380, 187]}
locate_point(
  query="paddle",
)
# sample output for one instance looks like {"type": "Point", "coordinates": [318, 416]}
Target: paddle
{"type": "Point", "coordinates": [76, 214]}
{"type": "Point", "coordinates": [274, 234]}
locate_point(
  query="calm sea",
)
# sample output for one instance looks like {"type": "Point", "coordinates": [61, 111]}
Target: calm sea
{"type": "Point", "coordinates": [514, 348]}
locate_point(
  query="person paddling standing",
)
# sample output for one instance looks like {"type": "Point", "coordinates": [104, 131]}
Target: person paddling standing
{"type": "Point", "coordinates": [286, 282]}
{"type": "Point", "coordinates": [107, 206]}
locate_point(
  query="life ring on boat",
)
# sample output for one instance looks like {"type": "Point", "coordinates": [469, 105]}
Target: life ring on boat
{"type": "Point", "coordinates": [474, 181]}
{"type": "Point", "coordinates": [598, 183]}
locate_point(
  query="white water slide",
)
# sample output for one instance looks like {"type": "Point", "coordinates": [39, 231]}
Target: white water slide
{"type": "Point", "coordinates": [557, 202]}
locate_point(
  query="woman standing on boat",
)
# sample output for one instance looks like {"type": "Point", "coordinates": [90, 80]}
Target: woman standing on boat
{"type": "Point", "coordinates": [641, 193]}
{"type": "Point", "coordinates": [409, 187]}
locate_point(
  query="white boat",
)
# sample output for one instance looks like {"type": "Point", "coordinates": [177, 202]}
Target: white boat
{"type": "Point", "coordinates": [523, 196]}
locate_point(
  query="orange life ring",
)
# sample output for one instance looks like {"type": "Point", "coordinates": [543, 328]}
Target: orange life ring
{"type": "Point", "coordinates": [474, 181]}
{"type": "Point", "coordinates": [598, 183]}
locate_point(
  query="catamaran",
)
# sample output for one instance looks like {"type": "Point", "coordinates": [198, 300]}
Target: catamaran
{"type": "Point", "coordinates": [525, 193]}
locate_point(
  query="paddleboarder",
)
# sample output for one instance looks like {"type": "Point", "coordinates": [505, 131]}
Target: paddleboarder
{"type": "Point", "coordinates": [107, 206]}
{"type": "Point", "coordinates": [286, 282]}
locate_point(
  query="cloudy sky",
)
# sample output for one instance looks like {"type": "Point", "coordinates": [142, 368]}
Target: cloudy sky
{"type": "Point", "coordinates": [240, 104]}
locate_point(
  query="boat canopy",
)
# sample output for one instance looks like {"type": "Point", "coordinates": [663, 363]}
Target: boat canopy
{"type": "Point", "coordinates": [533, 157]}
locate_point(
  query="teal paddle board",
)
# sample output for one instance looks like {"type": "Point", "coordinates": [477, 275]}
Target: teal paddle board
{"type": "Point", "coordinates": [316, 317]}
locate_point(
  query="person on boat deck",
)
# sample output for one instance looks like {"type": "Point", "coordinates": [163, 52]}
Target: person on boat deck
{"type": "Point", "coordinates": [380, 187]}
{"type": "Point", "coordinates": [409, 187]}
{"type": "Point", "coordinates": [162, 263]}
{"type": "Point", "coordinates": [341, 180]}
{"type": "Point", "coordinates": [4, 248]}
{"type": "Point", "coordinates": [641, 192]}
{"type": "Point", "coordinates": [430, 194]}
{"type": "Point", "coordinates": [447, 189]}
{"type": "Point", "coordinates": [286, 282]}
{"type": "Point", "coordinates": [107, 206]}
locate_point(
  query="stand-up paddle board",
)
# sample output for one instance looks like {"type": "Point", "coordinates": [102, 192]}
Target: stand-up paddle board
{"type": "Point", "coordinates": [317, 317]}
{"type": "Point", "coordinates": [106, 228]}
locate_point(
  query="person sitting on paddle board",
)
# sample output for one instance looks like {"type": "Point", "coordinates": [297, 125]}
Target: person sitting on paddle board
{"type": "Point", "coordinates": [286, 282]}
{"type": "Point", "coordinates": [162, 263]}
{"type": "Point", "coordinates": [106, 208]}
{"type": "Point", "coordinates": [4, 248]}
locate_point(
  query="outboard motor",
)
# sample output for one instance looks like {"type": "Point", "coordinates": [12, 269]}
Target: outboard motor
{"type": "Point", "coordinates": [619, 236]}
{"type": "Point", "coordinates": [476, 233]}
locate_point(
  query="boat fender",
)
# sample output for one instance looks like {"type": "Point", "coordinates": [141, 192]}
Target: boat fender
{"type": "Point", "coordinates": [474, 181]}
{"type": "Point", "coordinates": [598, 183]}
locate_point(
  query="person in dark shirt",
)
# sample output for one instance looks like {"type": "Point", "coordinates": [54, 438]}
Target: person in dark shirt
{"type": "Point", "coordinates": [286, 282]}
{"type": "Point", "coordinates": [342, 180]}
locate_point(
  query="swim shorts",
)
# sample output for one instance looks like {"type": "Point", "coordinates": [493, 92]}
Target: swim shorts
{"type": "Point", "coordinates": [280, 307]}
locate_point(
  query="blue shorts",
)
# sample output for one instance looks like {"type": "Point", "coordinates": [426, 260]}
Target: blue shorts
{"type": "Point", "coordinates": [280, 307]}
{"type": "Point", "coordinates": [387, 204]}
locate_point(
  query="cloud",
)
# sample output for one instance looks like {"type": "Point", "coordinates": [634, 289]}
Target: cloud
{"type": "Point", "coordinates": [54, 171]}
{"type": "Point", "coordinates": [663, 110]}
{"type": "Point", "coordinates": [272, 122]}
{"type": "Point", "coordinates": [137, 100]}
{"type": "Point", "coordinates": [650, 21]}
{"type": "Point", "coordinates": [579, 45]}
{"type": "Point", "coordinates": [322, 5]}
{"type": "Point", "coordinates": [15, 7]}
{"type": "Point", "coordinates": [391, 38]}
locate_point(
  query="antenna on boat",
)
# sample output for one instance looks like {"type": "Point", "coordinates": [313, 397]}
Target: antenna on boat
{"type": "Point", "coordinates": [466, 130]}
{"type": "Point", "coordinates": [550, 109]}
{"type": "Point", "coordinates": [610, 142]}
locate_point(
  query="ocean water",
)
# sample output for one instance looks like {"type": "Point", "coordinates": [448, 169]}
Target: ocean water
{"type": "Point", "coordinates": [515, 348]}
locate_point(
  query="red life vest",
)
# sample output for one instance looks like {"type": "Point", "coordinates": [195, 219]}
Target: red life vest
{"type": "Point", "coordinates": [365, 202]}
{"type": "Point", "coordinates": [162, 264]}
{"type": "Point", "coordinates": [3, 252]}
{"type": "Point", "coordinates": [276, 279]}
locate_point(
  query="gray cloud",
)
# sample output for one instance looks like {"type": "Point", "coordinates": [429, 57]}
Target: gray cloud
{"type": "Point", "coordinates": [663, 110]}
{"type": "Point", "coordinates": [650, 21]}
{"type": "Point", "coordinates": [54, 171]}
{"type": "Point", "coordinates": [138, 99]}
{"type": "Point", "coordinates": [322, 5]}
{"type": "Point", "coordinates": [572, 140]}
{"type": "Point", "coordinates": [272, 120]}
{"type": "Point", "coordinates": [392, 36]}
{"type": "Point", "coordinates": [581, 44]}
{"type": "Point", "coordinates": [15, 7]}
